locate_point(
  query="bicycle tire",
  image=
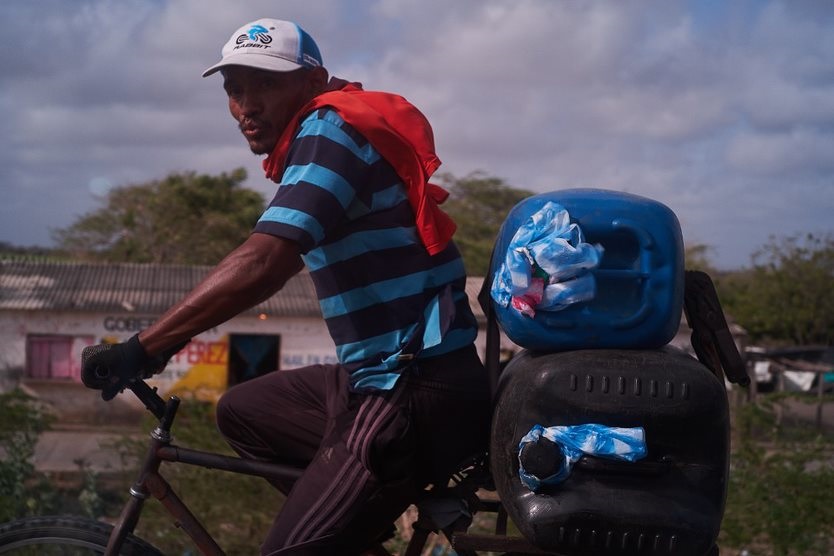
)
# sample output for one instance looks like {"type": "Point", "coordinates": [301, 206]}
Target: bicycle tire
{"type": "Point", "coordinates": [64, 535]}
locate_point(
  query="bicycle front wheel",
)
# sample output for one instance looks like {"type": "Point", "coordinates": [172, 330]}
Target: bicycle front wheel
{"type": "Point", "coordinates": [65, 536]}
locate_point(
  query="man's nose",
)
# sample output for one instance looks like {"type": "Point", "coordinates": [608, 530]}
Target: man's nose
{"type": "Point", "coordinates": [250, 105]}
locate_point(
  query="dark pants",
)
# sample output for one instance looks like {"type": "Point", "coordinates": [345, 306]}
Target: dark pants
{"type": "Point", "coordinates": [367, 456]}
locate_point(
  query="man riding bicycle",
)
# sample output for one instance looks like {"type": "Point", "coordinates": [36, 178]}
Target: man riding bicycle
{"type": "Point", "coordinates": [409, 399]}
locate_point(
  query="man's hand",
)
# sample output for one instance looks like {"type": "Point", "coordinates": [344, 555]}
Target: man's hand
{"type": "Point", "coordinates": [113, 367]}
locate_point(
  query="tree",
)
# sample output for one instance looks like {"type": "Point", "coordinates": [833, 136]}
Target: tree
{"type": "Point", "coordinates": [696, 258]}
{"type": "Point", "coordinates": [9, 250]}
{"type": "Point", "coordinates": [478, 204]}
{"type": "Point", "coordinates": [786, 297]}
{"type": "Point", "coordinates": [186, 218]}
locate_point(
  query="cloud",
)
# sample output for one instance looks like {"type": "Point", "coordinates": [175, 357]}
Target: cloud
{"type": "Point", "coordinates": [709, 107]}
{"type": "Point", "coordinates": [798, 152]}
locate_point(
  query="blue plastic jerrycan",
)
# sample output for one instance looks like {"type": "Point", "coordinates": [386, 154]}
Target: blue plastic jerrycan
{"type": "Point", "coordinates": [638, 280]}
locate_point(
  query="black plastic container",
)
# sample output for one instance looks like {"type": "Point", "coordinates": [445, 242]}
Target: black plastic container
{"type": "Point", "coordinates": [670, 502]}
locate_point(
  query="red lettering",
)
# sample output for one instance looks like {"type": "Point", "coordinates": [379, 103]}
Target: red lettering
{"type": "Point", "coordinates": [208, 353]}
{"type": "Point", "coordinates": [217, 353]}
{"type": "Point", "coordinates": [195, 352]}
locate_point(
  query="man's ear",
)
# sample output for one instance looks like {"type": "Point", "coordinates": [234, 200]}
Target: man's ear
{"type": "Point", "coordinates": [317, 79]}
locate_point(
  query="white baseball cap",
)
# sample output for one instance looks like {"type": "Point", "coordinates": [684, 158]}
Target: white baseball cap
{"type": "Point", "coordinates": [269, 44]}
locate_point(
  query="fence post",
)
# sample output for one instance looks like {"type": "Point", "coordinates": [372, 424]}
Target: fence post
{"type": "Point", "coordinates": [780, 387]}
{"type": "Point", "coordinates": [820, 380]}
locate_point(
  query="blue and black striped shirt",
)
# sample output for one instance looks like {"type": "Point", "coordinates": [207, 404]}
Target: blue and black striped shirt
{"type": "Point", "coordinates": [384, 298]}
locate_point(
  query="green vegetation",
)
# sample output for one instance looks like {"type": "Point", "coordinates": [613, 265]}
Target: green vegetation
{"type": "Point", "coordinates": [779, 502]}
{"type": "Point", "coordinates": [186, 218]}
{"type": "Point", "coordinates": [785, 298]}
{"type": "Point", "coordinates": [237, 509]}
{"type": "Point", "coordinates": [7, 250]}
{"type": "Point", "coordinates": [22, 492]}
{"type": "Point", "coordinates": [696, 257]}
{"type": "Point", "coordinates": [781, 483]}
{"type": "Point", "coordinates": [478, 204]}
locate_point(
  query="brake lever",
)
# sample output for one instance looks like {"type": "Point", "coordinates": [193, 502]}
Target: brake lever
{"type": "Point", "coordinates": [110, 391]}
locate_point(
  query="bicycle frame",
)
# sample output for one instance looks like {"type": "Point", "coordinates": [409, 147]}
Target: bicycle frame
{"type": "Point", "coordinates": [151, 483]}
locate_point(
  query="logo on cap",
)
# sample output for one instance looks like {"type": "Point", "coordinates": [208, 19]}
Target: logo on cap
{"type": "Point", "coordinates": [258, 33]}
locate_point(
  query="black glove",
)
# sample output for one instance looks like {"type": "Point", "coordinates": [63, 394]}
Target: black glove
{"type": "Point", "coordinates": [113, 367]}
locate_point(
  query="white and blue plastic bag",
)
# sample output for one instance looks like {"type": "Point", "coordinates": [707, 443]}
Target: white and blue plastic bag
{"type": "Point", "coordinates": [576, 441]}
{"type": "Point", "coordinates": [547, 264]}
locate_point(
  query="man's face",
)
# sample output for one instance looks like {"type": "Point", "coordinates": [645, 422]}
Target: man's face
{"type": "Point", "coordinates": [263, 102]}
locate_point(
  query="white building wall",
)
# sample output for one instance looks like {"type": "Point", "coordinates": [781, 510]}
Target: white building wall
{"type": "Point", "coordinates": [303, 341]}
{"type": "Point", "coordinates": [200, 369]}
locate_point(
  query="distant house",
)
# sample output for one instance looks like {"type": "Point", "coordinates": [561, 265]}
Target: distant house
{"type": "Point", "coordinates": [51, 310]}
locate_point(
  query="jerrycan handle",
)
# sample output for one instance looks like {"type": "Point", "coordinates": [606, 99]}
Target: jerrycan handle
{"type": "Point", "coordinates": [646, 243]}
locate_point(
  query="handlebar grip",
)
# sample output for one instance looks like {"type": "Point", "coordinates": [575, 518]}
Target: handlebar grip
{"type": "Point", "coordinates": [113, 367]}
{"type": "Point", "coordinates": [94, 376]}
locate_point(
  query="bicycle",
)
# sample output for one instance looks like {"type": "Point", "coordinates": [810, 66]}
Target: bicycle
{"type": "Point", "coordinates": [445, 509]}
{"type": "Point", "coordinates": [46, 535]}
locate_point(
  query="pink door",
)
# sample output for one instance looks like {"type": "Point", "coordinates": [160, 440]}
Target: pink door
{"type": "Point", "coordinates": [51, 357]}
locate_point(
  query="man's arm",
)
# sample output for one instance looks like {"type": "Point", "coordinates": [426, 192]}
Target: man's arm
{"type": "Point", "coordinates": [248, 275]}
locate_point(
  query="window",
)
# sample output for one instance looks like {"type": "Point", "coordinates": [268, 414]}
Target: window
{"type": "Point", "coordinates": [54, 357]}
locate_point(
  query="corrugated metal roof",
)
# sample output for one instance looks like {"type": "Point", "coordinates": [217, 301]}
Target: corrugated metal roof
{"type": "Point", "coordinates": [39, 285]}
{"type": "Point", "coordinates": [43, 285]}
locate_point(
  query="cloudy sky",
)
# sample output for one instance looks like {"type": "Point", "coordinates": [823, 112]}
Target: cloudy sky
{"type": "Point", "coordinates": [722, 110]}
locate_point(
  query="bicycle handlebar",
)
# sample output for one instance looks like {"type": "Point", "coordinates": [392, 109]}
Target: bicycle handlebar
{"type": "Point", "coordinates": [111, 382]}
{"type": "Point", "coordinates": [112, 368]}
{"type": "Point", "coordinates": [153, 402]}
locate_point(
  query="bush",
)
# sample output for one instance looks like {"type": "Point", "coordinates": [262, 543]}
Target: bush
{"type": "Point", "coordinates": [236, 509]}
{"type": "Point", "coordinates": [22, 420]}
{"type": "Point", "coordinates": [781, 484]}
{"type": "Point", "coordinates": [779, 500]}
